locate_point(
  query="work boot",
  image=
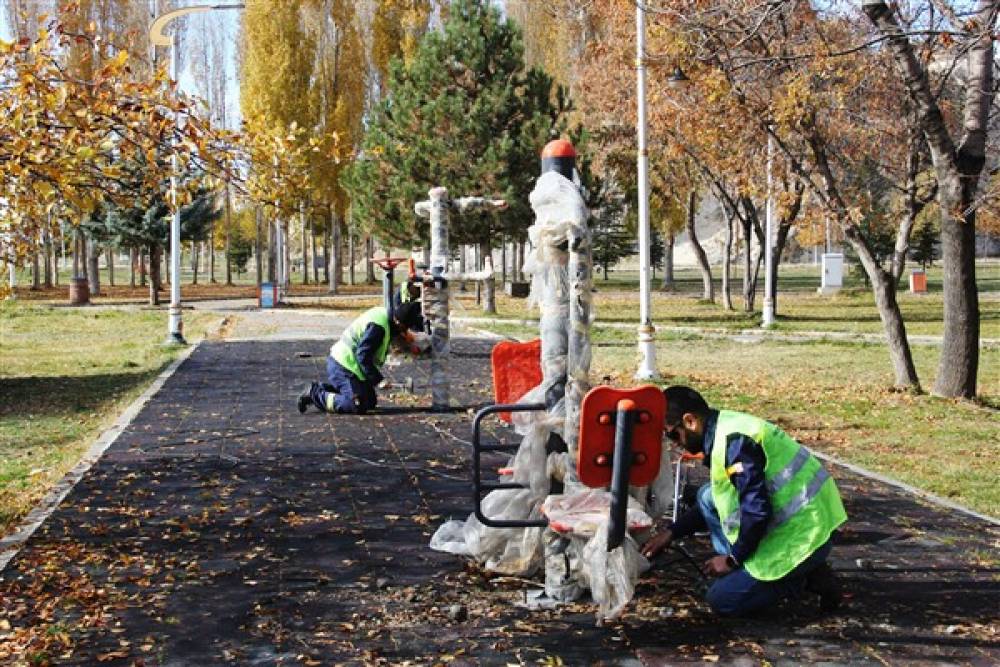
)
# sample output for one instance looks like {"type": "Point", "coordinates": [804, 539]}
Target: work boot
{"type": "Point", "coordinates": [305, 398]}
{"type": "Point", "coordinates": [824, 583]}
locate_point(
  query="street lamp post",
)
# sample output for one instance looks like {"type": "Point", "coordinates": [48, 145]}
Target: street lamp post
{"type": "Point", "coordinates": [768, 311]}
{"type": "Point", "coordinates": [175, 323]}
{"type": "Point", "coordinates": [647, 346]}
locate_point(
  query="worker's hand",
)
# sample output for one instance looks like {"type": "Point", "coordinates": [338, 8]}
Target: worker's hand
{"type": "Point", "coordinates": [717, 566]}
{"type": "Point", "coordinates": [657, 543]}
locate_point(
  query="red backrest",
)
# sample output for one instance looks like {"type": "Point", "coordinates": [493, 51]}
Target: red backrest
{"type": "Point", "coordinates": [597, 434]}
{"type": "Point", "coordinates": [517, 369]}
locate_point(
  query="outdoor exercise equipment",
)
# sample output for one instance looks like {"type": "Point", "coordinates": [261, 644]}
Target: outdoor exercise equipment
{"type": "Point", "coordinates": [437, 209]}
{"type": "Point", "coordinates": [621, 434]}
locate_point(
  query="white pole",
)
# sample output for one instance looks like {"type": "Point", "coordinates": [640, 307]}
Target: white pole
{"type": "Point", "coordinates": [768, 314]}
{"type": "Point", "coordinates": [647, 347]}
{"type": "Point", "coordinates": [175, 325]}
{"type": "Point", "coordinates": [12, 278]}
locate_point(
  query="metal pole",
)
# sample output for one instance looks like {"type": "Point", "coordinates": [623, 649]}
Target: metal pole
{"type": "Point", "coordinates": [647, 346]}
{"type": "Point", "coordinates": [768, 313]}
{"type": "Point", "coordinates": [175, 324]}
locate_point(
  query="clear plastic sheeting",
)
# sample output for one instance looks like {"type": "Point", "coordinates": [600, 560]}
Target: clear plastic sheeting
{"type": "Point", "coordinates": [581, 514]}
{"type": "Point", "coordinates": [611, 576]}
{"type": "Point", "coordinates": [510, 551]}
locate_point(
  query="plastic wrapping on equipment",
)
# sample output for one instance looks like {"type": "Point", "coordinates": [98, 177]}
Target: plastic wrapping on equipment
{"type": "Point", "coordinates": [611, 576]}
{"type": "Point", "coordinates": [581, 514]}
{"type": "Point", "coordinates": [511, 551]}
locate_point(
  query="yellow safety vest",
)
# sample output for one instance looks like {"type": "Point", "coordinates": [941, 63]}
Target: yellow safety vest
{"type": "Point", "coordinates": [344, 351]}
{"type": "Point", "coordinates": [805, 504]}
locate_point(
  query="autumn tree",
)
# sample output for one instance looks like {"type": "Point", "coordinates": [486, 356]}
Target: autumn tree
{"type": "Point", "coordinates": [958, 149]}
{"type": "Point", "coordinates": [794, 76]}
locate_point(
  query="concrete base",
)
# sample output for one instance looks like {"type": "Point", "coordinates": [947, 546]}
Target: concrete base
{"type": "Point", "coordinates": [827, 291]}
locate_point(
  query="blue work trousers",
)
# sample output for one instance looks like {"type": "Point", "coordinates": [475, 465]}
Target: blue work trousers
{"type": "Point", "coordinates": [738, 593]}
{"type": "Point", "coordinates": [344, 391]}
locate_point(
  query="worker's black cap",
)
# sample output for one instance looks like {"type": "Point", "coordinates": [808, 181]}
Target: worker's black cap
{"type": "Point", "coordinates": [409, 314]}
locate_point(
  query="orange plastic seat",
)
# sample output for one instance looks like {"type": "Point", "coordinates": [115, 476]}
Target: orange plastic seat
{"type": "Point", "coordinates": [517, 369]}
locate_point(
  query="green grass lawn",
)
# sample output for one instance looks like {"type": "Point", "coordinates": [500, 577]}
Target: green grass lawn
{"type": "Point", "coordinates": [799, 308]}
{"type": "Point", "coordinates": [837, 398]}
{"type": "Point", "coordinates": [65, 374]}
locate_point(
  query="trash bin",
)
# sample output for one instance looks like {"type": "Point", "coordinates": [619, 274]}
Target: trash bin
{"type": "Point", "coordinates": [267, 295]}
{"type": "Point", "coordinates": [918, 282]}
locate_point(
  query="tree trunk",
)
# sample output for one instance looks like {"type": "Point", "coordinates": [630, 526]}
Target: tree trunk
{"type": "Point", "coordinates": [477, 262]}
{"type": "Point", "coordinates": [490, 284]}
{"type": "Point", "coordinates": [326, 252]}
{"type": "Point", "coordinates": [708, 290]}
{"type": "Point", "coordinates": [132, 253]}
{"type": "Point", "coordinates": [211, 255]}
{"type": "Point", "coordinates": [888, 310]}
{"type": "Point", "coordinates": [195, 251]}
{"type": "Point", "coordinates": [142, 267]}
{"type": "Point", "coordinates": [369, 267]}
{"type": "Point", "coordinates": [47, 272]}
{"type": "Point", "coordinates": [259, 246]}
{"type": "Point", "coordinates": [959, 364]}
{"type": "Point", "coordinates": [503, 262]}
{"type": "Point", "coordinates": [461, 267]}
{"type": "Point", "coordinates": [351, 258]}
{"type": "Point", "coordinates": [338, 250]}
{"type": "Point", "coordinates": [668, 262]}
{"type": "Point", "coordinates": [286, 255]}
{"type": "Point", "coordinates": [36, 278]}
{"type": "Point", "coordinates": [154, 275]}
{"type": "Point", "coordinates": [110, 258]}
{"type": "Point", "coordinates": [58, 251]}
{"type": "Point", "coordinates": [271, 250]}
{"type": "Point", "coordinates": [727, 299]}
{"type": "Point", "coordinates": [93, 270]}
{"type": "Point", "coordinates": [334, 227]}
{"type": "Point", "coordinates": [315, 255]}
{"type": "Point", "coordinates": [228, 236]}
{"type": "Point", "coordinates": [305, 246]}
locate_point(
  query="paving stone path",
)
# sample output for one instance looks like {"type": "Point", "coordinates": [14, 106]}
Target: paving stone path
{"type": "Point", "coordinates": [222, 527]}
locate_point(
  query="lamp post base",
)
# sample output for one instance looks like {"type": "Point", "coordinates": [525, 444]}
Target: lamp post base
{"type": "Point", "coordinates": [767, 313]}
{"type": "Point", "coordinates": [647, 353]}
{"type": "Point", "coordinates": [175, 328]}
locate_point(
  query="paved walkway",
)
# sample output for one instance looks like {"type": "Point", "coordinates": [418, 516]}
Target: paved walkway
{"type": "Point", "coordinates": [222, 527]}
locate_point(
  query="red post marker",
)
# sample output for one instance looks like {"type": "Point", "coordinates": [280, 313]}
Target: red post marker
{"type": "Point", "coordinates": [560, 156]}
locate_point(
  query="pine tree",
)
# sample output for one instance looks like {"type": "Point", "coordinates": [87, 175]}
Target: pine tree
{"type": "Point", "coordinates": [924, 245]}
{"type": "Point", "coordinates": [465, 113]}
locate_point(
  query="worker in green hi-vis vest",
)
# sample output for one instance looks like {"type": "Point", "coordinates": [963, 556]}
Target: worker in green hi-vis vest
{"type": "Point", "coordinates": [770, 507]}
{"type": "Point", "coordinates": [354, 366]}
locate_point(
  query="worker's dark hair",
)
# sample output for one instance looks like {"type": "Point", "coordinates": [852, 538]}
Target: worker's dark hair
{"type": "Point", "coordinates": [408, 315]}
{"type": "Point", "coordinates": [682, 400]}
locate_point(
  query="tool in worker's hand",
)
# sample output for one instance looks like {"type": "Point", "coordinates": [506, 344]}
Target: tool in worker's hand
{"type": "Point", "coordinates": [406, 384]}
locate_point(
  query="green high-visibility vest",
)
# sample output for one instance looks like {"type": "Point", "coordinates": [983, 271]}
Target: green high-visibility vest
{"type": "Point", "coordinates": [344, 351]}
{"type": "Point", "coordinates": [404, 293]}
{"type": "Point", "coordinates": [805, 504]}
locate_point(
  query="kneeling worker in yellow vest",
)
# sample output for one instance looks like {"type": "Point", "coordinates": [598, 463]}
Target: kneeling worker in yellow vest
{"type": "Point", "coordinates": [770, 508]}
{"type": "Point", "coordinates": [353, 368]}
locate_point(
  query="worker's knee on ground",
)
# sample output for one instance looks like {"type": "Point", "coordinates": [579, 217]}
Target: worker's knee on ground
{"type": "Point", "coordinates": [724, 602]}
{"type": "Point", "coordinates": [345, 405]}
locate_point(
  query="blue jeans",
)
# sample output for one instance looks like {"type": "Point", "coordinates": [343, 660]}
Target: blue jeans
{"type": "Point", "coordinates": [349, 394]}
{"type": "Point", "coordinates": [738, 593]}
